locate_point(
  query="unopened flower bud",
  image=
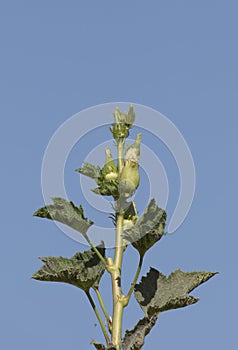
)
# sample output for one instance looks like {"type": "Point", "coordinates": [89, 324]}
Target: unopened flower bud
{"type": "Point", "coordinates": [133, 151]}
{"type": "Point", "coordinates": [122, 123]}
{"type": "Point", "coordinates": [130, 177]}
{"type": "Point", "coordinates": [109, 171]}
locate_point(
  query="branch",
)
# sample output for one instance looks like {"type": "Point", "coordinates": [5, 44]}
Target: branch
{"type": "Point", "coordinates": [98, 317]}
{"type": "Point", "coordinates": [108, 318]}
{"type": "Point", "coordinates": [135, 279]}
{"type": "Point", "coordinates": [103, 260]}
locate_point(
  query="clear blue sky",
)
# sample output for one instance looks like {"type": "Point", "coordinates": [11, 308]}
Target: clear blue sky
{"type": "Point", "coordinates": [59, 57]}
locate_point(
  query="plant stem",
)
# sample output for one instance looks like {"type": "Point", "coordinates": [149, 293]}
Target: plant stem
{"type": "Point", "coordinates": [98, 317]}
{"type": "Point", "coordinates": [116, 285]}
{"type": "Point", "coordinates": [103, 307]}
{"type": "Point", "coordinates": [120, 151]}
{"type": "Point", "coordinates": [118, 298]}
{"type": "Point", "coordinates": [135, 279]}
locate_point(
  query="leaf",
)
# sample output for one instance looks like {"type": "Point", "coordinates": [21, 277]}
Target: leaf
{"type": "Point", "coordinates": [156, 293]}
{"type": "Point", "coordinates": [134, 339]}
{"type": "Point", "coordinates": [107, 187]}
{"type": "Point", "coordinates": [90, 170]}
{"type": "Point", "coordinates": [106, 178]}
{"type": "Point", "coordinates": [130, 211]}
{"type": "Point", "coordinates": [148, 229]}
{"type": "Point", "coordinates": [99, 346]}
{"type": "Point", "coordinates": [83, 270]}
{"type": "Point", "coordinates": [66, 213]}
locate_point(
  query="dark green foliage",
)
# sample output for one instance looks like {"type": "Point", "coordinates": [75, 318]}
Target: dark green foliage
{"type": "Point", "coordinates": [134, 339]}
{"type": "Point", "coordinates": [99, 346]}
{"type": "Point", "coordinates": [83, 270]}
{"type": "Point", "coordinates": [156, 293]}
{"type": "Point", "coordinates": [148, 229]}
{"type": "Point", "coordinates": [108, 178]}
{"type": "Point", "coordinates": [107, 187]}
{"type": "Point", "coordinates": [66, 213]}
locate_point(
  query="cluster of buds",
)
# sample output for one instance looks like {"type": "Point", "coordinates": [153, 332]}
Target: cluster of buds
{"type": "Point", "coordinates": [122, 123]}
{"type": "Point", "coordinates": [108, 177]}
{"type": "Point", "coordinates": [124, 184]}
{"type": "Point", "coordinates": [130, 177]}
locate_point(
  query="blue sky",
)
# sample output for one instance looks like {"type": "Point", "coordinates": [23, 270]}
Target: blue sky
{"type": "Point", "coordinates": [57, 58]}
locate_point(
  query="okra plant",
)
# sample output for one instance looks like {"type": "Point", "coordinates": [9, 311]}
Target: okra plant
{"type": "Point", "coordinates": [155, 293]}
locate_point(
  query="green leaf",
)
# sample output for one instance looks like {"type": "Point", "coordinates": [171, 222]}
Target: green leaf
{"type": "Point", "coordinates": [156, 293]}
{"type": "Point", "coordinates": [106, 178]}
{"type": "Point", "coordinates": [134, 339]}
{"type": "Point", "coordinates": [90, 170]}
{"type": "Point", "coordinates": [130, 211]}
{"type": "Point", "coordinates": [99, 346]}
{"type": "Point", "coordinates": [148, 229]}
{"type": "Point", "coordinates": [83, 270]}
{"type": "Point", "coordinates": [66, 213]}
{"type": "Point", "coordinates": [107, 187]}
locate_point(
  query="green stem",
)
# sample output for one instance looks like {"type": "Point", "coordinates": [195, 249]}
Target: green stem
{"type": "Point", "coordinates": [119, 242]}
{"type": "Point", "coordinates": [135, 279]}
{"type": "Point", "coordinates": [116, 285]}
{"type": "Point", "coordinates": [120, 151]}
{"type": "Point", "coordinates": [103, 260]}
{"type": "Point", "coordinates": [103, 307]}
{"type": "Point", "coordinates": [117, 324]}
{"type": "Point", "coordinates": [98, 317]}
{"type": "Point", "coordinates": [118, 297]}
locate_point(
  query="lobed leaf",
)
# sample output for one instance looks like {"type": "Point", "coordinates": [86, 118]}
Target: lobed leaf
{"type": "Point", "coordinates": [106, 178]}
{"type": "Point", "coordinates": [156, 293]}
{"type": "Point", "coordinates": [134, 339]}
{"type": "Point", "coordinates": [83, 270]}
{"type": "Point", "coordinates": [66, 213]}
{"type": "Point", "coordinates": [99, 346]}
{"type": "Point", "coordinates": [107, 187]}
{"type": "Point", "coordinates": [90, 170]}
{"type": "Point", "coordinates": [148, 229]}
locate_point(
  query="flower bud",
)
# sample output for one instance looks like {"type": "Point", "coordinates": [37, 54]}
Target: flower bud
{"type": "Point", "coordinates": [133, 151]}
{"type": "Point", "coordinates": [122, 123]}
{"type": "Point", "coordinates": [130, 177]}
{"type": "Point", "coordinates": [109, 171]}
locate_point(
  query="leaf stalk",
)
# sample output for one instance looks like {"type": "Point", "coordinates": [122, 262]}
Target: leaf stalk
{"type": "Point", "coordinates": [101, 302]}
{"type": "Point", "coordinates": [134, 280]}
{"type": "Point", "coordinates": [98, 317]}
